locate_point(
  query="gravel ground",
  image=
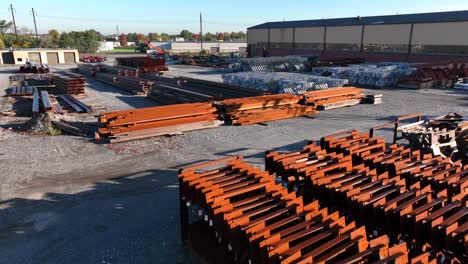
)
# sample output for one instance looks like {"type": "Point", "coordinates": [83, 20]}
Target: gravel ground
{"type": "Point", "coordinates": [67, 200]}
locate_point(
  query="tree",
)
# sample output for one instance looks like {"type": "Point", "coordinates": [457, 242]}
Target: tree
{"type": "Point", "coordinates": [165, 37]}
{"type": "Point", "coordinates": [220, 35]}
{"type": "Point", "coordinates": [132, 37]}
{"type": "Point", "coordinates": [2, 44]}
{"type": "Point", "coordinates": [241, 35]}
{"type": "Point", "coordinates": [227, 36]}
{"type": "Point", "coordinates": [5, 26]}
{"type": "Point", "coordinates": [54, 37]}
{"type": "Point", "coordinates": [209, 37]}
{"type": "Point", "coordinates": [123, 40]}
{"type": "Point", "coordinates": [187, 35]}
{"type": "Point", "coordinates": [140, 38]}
{"type": "Point", "coordinates": [65, 40]}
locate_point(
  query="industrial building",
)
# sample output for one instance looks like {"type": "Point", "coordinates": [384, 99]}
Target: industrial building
{"type": "Point", "coordinates": [45, 56]}
{"type": "Point", "coordinates": [175, 47]}
{"type": "Point", "coordinates": [410, 37]}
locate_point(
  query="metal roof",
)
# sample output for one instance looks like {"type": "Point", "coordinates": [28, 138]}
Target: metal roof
{"type": "Point", "coordinates": [452, 16]}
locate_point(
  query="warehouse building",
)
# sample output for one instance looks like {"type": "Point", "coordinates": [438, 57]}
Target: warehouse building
{"type": "Point", "coordinates": [45, 56]}
{"type": "Point", "coordinates": [411, 37]}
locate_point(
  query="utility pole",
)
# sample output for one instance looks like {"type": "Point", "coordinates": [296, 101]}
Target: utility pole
{"type": "Point", "coordinates": [117, 29]}
{"type": "Point", "coordinates": [14, 22]}
{"type": "Point", "coordinates": [35, 26]}
{"type": "Point", "coordinates": [201, 31]}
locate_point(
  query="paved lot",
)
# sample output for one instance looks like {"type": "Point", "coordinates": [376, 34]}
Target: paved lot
{"type": "Point", "coordinates": [65, 199]}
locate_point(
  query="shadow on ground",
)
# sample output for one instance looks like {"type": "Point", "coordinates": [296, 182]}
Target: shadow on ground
{"type": "Point", "coordinates": [128, 219]}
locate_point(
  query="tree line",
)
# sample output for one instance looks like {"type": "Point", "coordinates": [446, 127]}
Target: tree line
{"type": "Point", "coordinates": [88, 41]}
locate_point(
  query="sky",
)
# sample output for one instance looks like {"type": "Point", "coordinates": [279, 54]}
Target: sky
{"type": "Point", "coordinates": [172, 16]}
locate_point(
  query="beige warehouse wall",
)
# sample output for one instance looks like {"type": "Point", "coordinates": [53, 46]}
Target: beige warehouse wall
{"type": "Point", "coordinates": [310, 35]}
{"type": "Point", "coordinates": [387, 34]}
{"type": "Point", "coordinates": [344, 35]}
{"type": "Point", "coordinates": [257, 35]}
{"type": "Point", "coordinates": [455, 33]}
{"type": "Point", "coordinates": [282, 35]}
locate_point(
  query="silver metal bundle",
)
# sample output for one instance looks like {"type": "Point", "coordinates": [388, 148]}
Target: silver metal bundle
{"type": "Point", "coordinates": [375, 75]}
{"type": "Point", "coordinates": [282, 82]}
{"type": "Point", "coordinates": [274, 64]}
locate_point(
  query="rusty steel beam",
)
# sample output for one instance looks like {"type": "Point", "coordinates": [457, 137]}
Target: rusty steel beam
{"type": "Point", "coordinates": [259, 221]}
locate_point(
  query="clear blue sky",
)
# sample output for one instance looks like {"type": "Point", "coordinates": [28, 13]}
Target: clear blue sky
{"type": "Point", "coordinates": [171, 16]}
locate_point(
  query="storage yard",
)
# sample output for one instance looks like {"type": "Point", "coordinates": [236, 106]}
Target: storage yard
{"type": "Point", "coordinates": [341, 158]}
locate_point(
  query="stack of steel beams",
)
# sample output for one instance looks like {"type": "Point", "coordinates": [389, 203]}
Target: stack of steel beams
{"type": "Point", "coordinates": [70, 83]}
{"type": "Point", "coordinates": [154, 121]}
{"type": "Point", "coordinates": [255, 220]}
{"type": "Point", "coordinates": [261, 109]}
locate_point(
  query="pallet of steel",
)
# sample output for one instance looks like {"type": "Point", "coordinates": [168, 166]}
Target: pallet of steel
{"type": "Point", "coordinates": [70, 83]}
{"type": "Point", "coordinates": [260, 109]}
{"type": "Point", "coordinates": [261, 222]}
{"type": "Point", "coordinates": [334, 98]}
{"type": "Point", "coordinates": [393, 189]}
{"type": "Point", "coordinates": [22, 91]}
{"type": "Point", "coordinates": [154, 121]}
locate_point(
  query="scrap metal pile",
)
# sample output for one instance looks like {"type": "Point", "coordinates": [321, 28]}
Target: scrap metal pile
{"type": "Point", "coordinates": [434, 76]}
{"type": "Point", "coordinates": [379, 75]}
{"type": "Point", "coordinates": [147, 122]}
{"type": "Point", "coordinates": [349, 199]}
{"type": "Point", "coordinates": [437, 136]}
{"type": "Point", "coordinates": [282, 82]}
{"type": "Point", "coordinates": [32, 67]}
{"type": "Point", "coordinates": [70, 83]}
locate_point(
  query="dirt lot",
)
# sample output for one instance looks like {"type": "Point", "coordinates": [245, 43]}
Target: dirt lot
{"type": "Point", "coordinates": [65, 199]}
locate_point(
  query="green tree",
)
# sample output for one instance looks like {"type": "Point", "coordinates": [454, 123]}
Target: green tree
{"type": "Point", "coordinates": [241, 35]}
{"type": "Point", "coordinates": [54, 37]}
{"type": "Point", "coordinates": [165, 37]}
{"type": "Point", "coordinates": [227, 36]}
{"type": "Point", "coordinates": [65, 40]}
{"type": "Point", "coordinates": [187, 35]}
{"type": "Point", "coordinates": [132, 37]}
{"type": "Point", "coordinates": [5, 26]}
{"type": "Point", "coordinates": [209, 37]}
{"type": "Point", "coordinates": [2, 44]}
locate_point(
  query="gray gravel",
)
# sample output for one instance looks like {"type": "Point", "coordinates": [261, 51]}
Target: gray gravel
{"type": "Point", "coordinates": [68, 200]}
